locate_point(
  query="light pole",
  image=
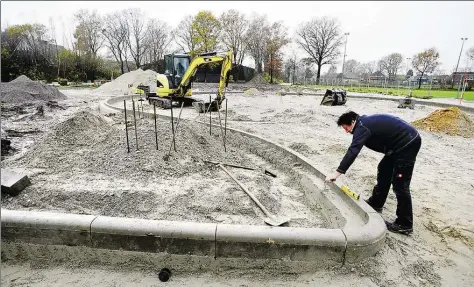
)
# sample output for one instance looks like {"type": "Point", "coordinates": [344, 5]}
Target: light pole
{"type": "Point", "coordinates": [460, 52]}
{"type": "Point", "coordinates": [459, 58]}
{"type": "Point", "coordinates": [344, 59]}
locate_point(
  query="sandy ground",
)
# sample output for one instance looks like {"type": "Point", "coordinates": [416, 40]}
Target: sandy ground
{"type": "Point", "coordinates": [82, 166]}
{"type": "Point", "coordinates": [439, 253]}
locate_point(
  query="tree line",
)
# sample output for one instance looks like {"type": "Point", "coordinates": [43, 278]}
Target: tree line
{"type": "Point", "coordinates": [133, 40]}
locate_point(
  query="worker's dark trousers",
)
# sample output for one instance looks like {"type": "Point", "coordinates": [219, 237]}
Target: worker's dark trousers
{"type": "Point", "coordinates": [397, 170]}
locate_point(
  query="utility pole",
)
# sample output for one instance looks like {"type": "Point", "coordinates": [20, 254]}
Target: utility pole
{"type": "Point", "coordinates": [459, 58]}
{"type": "Point", "coordinates": [344, 59]}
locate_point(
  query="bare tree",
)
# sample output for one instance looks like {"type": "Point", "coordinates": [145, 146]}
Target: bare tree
{"type": "Point", "coordinates": [390, 64]}
{"type": "Point", "coordinates": [425, 62]}
{"type": "Point", "coordinates": [137, 32]}
{"type": "Point", "coordinates": [351, 66]}
{"type": "Point", "coordinates": [257, 38]}
{"type": "Point", "coordinates": [234, 26]}
{"type": "Point", "coordinates": [321, 39]}
{"type": "Point", "coordinates": [115, 31]}
{"type": "Point", "coordinates": [89, 31]}
{"type": "Point", "coordinates": [367, 69]}
{"type": "Point", "coordinates": [183, 34]}
{"type": "Point", "coordinates": [332, 70]}
{"type": "Point", "coordinates": [276, 40]}
{"type": "Point", "coordinates": [158, 39]}
{"type": "Point", "coordinates": [470, 53]}
{"type": "Point", "coordinates": [470, 58]}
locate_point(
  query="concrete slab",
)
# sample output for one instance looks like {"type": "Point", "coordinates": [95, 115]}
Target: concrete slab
{"type": "Point", "coordinates": [12, 182]}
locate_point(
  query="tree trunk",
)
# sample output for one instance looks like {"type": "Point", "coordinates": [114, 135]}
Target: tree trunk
{"type": "Point", "coordinates": [318, 75]}
{"type": "Point", "coordinates": [419, 81]}
{"type": "Point", "coordinates": [271, 70]}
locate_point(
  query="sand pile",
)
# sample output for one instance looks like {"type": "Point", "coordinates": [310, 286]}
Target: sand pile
{"type": "Point", "coordinates": [258, 79]}
{"type": "Point", "coordinates": [22, 90]}
{"type": "Point", "coordinates": [86, 143]}
{"type": "Point", "coordinates": [451, 121]}
{"type": "Point", "coordinates": [120, 85]}
{"type": "Point", "coordinates": [85, 168]}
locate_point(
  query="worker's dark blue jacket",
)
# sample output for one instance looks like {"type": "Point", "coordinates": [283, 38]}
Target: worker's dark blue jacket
{"type": "Point", "coordinates": [382, 133]}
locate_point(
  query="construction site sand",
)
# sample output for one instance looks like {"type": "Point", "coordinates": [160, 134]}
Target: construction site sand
{"type": "Point", "coordinates": [439, 253]}
{"type": "Point", "coordinates": [120, 85]}
{"type": "Point", "coordinates": [82, 166]}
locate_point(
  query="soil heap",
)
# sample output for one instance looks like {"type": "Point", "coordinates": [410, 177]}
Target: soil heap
{"type": "Point", "coordinates": [120, 86]}
{"type": "Point", "coordinates": [451, 121]}
{"type": "Point", "coordinates": [86, 143]}
{"type": "Point", "coordinates": [257, 80]}
{"type": "Point", "coordinates": [24, 90]}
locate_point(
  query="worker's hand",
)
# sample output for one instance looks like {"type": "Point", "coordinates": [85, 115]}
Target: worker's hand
{"type": "Point", "coordinates": [332, 177]}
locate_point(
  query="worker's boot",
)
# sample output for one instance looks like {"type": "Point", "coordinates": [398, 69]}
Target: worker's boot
{"type": "Point", "coordinates": [394, 227]}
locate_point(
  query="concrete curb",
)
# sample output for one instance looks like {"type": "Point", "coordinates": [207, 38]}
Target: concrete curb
{"type": "Point", "coordinates": [361, 241]}
{"type": "Point", "coordinates": [355, 238]}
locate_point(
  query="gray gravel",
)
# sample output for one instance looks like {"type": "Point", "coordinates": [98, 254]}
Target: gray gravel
{"type": "Point", "coordinates": [24, 90]}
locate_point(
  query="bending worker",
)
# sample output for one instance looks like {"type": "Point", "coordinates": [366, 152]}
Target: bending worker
{"type": "Point", "coordinates": [400, 142]}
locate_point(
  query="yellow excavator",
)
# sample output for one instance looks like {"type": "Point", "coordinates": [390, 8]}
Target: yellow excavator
{"type": "Point", "coordinates": [175, 84]}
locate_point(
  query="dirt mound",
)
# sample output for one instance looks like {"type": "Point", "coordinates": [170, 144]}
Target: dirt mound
{"type": "Point", "coordinates": [22, 79]}
{"type": "Point", "coordinates": [451, 121]}
{"type": "Point", "coordinates": [258, 79]}
{"type": "Point", "coordinates": [120, 86]}
{"type": "Point", "coordinates": [24, 90]}
{"type": "Point", "coordinates": [86, 141]}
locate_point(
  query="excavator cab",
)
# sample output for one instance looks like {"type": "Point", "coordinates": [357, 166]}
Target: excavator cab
{"type": "Point", "coordinates": [175, 67]}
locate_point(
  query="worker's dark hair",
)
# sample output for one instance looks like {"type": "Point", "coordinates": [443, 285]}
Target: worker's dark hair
{"type": "Point", "coordinates": [347, 118]}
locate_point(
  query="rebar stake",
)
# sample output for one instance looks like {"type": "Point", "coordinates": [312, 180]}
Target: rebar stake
{"type": "Point", "coordinates": [135, 120]}
{"type": "Point", "coordinates": [172, 125]}
{"type": "Point", "coordinates": [156, 132]}
{"type": "Point", "coordinates": [126, 127]}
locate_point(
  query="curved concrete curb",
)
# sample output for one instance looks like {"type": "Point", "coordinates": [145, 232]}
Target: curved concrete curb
{"type": "Point", "coordinates": [359, 232]}
{"type": "Point", "coordinates": [362, 240]}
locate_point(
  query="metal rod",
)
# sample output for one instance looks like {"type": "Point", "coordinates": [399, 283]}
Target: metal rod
{"type": "Point", "coordinates": [143, 114]}
{"type": "Point", "coordinates": [126, 127]}
{"type": "Point", "coordinates": [135, 120]}
{"type": "Point", "coordinates": [172, 125]}
{"type": "Point", "coordinates": [176, 128]}
{"type": "Point", "coordinates": [138, 108]}
{"type": "Point", "coordinates": [210, 112]}
{"type": "Point", "coordinates": [220, 125]}
{"type": "Point", "coordinates": [156, 132]}
{"type": "Point", "coordinates": [225, 124]}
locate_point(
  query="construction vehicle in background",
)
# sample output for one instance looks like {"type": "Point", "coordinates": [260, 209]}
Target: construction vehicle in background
{"type": "Point", "coordinates": [334, 98]}
{"type": "Point", "coordinates": [175, 84]}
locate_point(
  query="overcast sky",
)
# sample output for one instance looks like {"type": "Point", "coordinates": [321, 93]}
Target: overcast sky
{"type": "Point", "coordinates": [376, 28]}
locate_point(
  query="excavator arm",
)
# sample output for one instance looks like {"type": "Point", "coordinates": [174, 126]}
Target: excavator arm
{"type": "Point", "coordinates": [225, 58]}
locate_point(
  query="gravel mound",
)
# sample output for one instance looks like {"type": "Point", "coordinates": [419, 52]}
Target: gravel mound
{"type": "Point", "coordinates": [258, 79]}
{"type": "Point", "coordinates": [24, 90]}
{"type": "Point", "coordinates": [120, 86]}
{"type": "Point", "coordinates": [96, 144]}
{"type": "Point", "coordinates": [451, 121]}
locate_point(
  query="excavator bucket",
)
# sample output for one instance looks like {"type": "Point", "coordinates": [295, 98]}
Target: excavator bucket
{"type": "Point", "coordinates": [203, 107]}
{"type": "Point", "coordinates": [334, 98]}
